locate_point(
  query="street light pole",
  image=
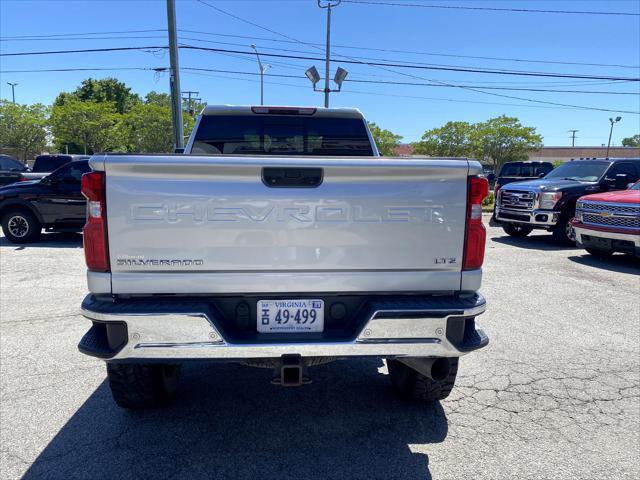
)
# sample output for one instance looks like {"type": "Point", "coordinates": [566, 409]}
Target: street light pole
{"type": "Point", "coordinates": [13, 93]}
{"type": "Point", "coordinates": [613, 121]}
{"type": "Point", "coordinates": [263, 70]}
{"type": "Point", "coordinates": [327, 66]}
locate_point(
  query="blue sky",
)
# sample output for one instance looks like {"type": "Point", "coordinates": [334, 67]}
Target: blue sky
{"type": "Point", "coordinates": [407, 110]}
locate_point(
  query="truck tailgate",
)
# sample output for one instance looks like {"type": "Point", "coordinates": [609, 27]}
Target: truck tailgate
{"type": "Point", "coordinates": [185, 224]}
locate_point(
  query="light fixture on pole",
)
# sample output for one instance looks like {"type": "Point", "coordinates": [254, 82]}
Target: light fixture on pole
{"type": "Point", "coordinates": [13, 93]}
{"type": "Point", "coordinates": [263, 70]}
{"type": "Point", "coordinates": [613, 121]}
{"type": "Point", "coordinates": [314, 77]}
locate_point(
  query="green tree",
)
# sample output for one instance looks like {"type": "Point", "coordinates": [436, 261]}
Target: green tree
{"type": "Point", "coordinates": [96, 127]}
{"type": "Point", "coordinates": [631, 141]}
{"type": "Point", "coordinates": [503, 139]}
{"type": "Point", "coordinates": [386, 140]}
{"type": "Point", "coordinates": [23, 128]}
{"type": "Point", "coordinates": [156, 98]}
{"type": "Point", "coordinates": [453, 139]}
{"type": "Point", "coordinates": [100, 91]}
{"type": "Point", "coordinates": [147, 128]}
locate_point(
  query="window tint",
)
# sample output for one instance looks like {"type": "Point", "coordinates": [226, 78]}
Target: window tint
{"type": "Point", "coordinates": [511, 170]}
{"type": "Point", "coordinates": [7, 163]}
{"type": "Point", "coordinates": [525, 169]}
{"type": "Point", "coordinates": [544, 168]}
{"type": "Point", "coordinates": [582, 171]}
{"type": "Point", "coordinates": [72, 172]}
{"type": "Point", "coordinates": [48, 163]}
{"type": "Point", "coordinates": [282, 135]}
{"type": "Point", "coordinates": [623, 167]}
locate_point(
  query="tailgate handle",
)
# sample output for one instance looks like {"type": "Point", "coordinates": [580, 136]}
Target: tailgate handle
{"type": "Point", "coordinates": [291, 177]}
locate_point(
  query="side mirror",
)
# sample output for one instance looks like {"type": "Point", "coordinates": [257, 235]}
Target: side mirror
{"type": "Point", "coordinates": [541, 175]}
{"type": "Point", "coordinates": [178, 150]}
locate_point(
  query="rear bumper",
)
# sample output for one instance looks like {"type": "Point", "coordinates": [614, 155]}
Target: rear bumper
{"type": "Point", "coordinates": [607, 239]}
{"type": "Point", "coordinates": [534, 218]}
{"type": "Point", "coordinates": [415, 326]}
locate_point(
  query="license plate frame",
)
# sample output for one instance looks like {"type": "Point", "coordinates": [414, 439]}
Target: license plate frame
{"type": "Point", "coordinates": [271, 316]}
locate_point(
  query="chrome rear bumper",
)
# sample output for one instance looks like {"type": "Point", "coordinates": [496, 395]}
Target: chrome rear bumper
{"type": "Point", "coordinates": [122, 330]}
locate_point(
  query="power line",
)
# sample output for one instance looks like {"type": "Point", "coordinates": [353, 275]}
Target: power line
{"type": "Point", "coordinates": [349, 80]}
{"type": "Point", "coordinates": [425, 67]}
{"type": "Point", "coordinates": [385, 67]}
{"type": "Point", "coordinates": [417, 52]}
{"type": "Point", "coordinates": [386, 60]}
{"type": "Point", "coordinates": [80, 69]}
{"type": "Point", "coordinates": [491, 9]}
{"type": "Point", "coordinates": [204, 72]}
{"type": "Point", "coordinates": [78, 36]}
{"type": "Point", "coordinates": [350, 60]}
{"type": "Point", "coordinates": [87, 50]}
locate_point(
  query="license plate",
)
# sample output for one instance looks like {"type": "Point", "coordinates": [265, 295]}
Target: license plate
{"type": "Point", "coordinates": [290, 316]}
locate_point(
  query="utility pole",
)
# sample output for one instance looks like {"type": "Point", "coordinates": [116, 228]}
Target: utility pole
{"type": "Point", "coordinates": [176, 98]}
{"type": "Point", "coordinates": [613, 121]}
{"type": "Point", "coordinates": [263, 70]}
{"type": "Point", "coordinates": [190, 99]}
{"type": "Point", "coordinates": [573, 137]}
{"type": "Point", "coordinates": [13, 93]}
{"type": "Point", "coordinates": [329, 5]}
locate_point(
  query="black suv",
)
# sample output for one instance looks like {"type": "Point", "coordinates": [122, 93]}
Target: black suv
{"type": "Point", "coordinates": [550, 203]}
{"type": "Point", "coordinates": [53, 203]}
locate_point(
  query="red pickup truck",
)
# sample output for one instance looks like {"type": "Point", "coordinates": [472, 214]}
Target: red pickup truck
{"type": "Point", "coordinates": [609, 222]}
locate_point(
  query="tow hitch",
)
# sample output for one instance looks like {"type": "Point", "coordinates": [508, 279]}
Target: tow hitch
{"type": "Point", "coordinates": [290, 372]}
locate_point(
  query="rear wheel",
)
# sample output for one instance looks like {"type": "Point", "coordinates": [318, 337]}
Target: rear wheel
{"type": "Point", "coordinates": [516, 230]}
{"type": "Point", "coordinates": [563, 232]}
{"type": "Point", "coordinates": [135, 385]}
{"type": "Point", "coordinates": [413, 385]}
{"type": "Point", "coordinates": [596, 252]}
{"type": "Point", "coordinates": [21, 226]}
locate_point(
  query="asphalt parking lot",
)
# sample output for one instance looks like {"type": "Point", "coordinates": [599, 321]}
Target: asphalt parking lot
{"type": "Point", "coordinates": [556, 394]}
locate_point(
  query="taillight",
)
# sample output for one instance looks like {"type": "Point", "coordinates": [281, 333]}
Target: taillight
{"type": "Point", "coordinates": [476, 235]}
{"type": "Point", "coordinates": [284, 110]}
{"type": "Point", "coordinates": [96, 253]}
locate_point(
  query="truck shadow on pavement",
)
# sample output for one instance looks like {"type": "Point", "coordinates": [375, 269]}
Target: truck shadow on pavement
{"type": "Point", "coordinates": [615, 263]}
{"type": "Point", "coordinates": [533, 242]}
{"type": "Point", "coordinates": [229, 422]}
{"type": "Point", "coordinates": [47, 240]}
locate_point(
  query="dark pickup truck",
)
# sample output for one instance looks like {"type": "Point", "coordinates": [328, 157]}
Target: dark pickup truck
{"type": "Point", "coordinates": [549, 203]}
{"type": "Point", "coordinates": [521, 171]}
{"type": "Point", "coordinates": [54, 203]}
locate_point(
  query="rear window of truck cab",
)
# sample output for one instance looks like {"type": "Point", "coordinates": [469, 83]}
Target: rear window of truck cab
{"type": "Point", "coordinates": [517, 169]}
{"type": "Point", "coordinates": [281, 135]}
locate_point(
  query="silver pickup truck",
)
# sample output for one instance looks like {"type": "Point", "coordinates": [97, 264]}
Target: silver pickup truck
{"type": "Point", "coordinates": [282, 240]}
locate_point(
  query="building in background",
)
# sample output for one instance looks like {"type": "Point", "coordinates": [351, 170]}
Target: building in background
{"type": "Point", "coordinates": [554, 154]}
{"type": "Point", "coordinates": [563, 154]}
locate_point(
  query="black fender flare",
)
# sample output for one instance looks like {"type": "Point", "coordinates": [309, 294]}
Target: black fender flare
{"type": "Point", "coordinates": [17, 202]}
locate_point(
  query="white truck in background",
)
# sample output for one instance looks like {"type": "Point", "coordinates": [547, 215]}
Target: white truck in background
{"type": "Point", "coordinates": [281, 239]}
